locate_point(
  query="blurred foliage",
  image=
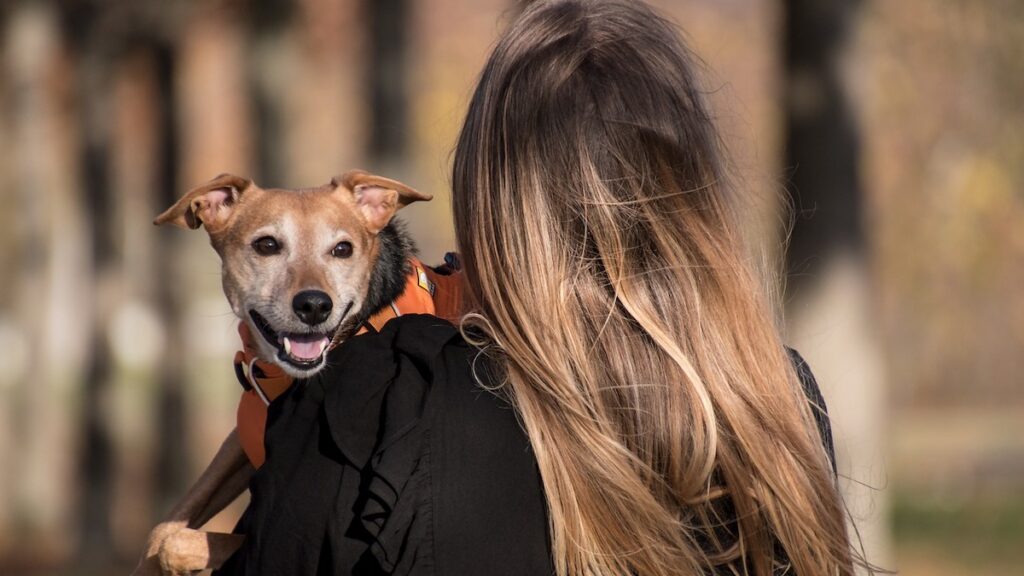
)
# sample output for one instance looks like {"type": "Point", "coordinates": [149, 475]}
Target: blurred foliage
{"type": "Point", "coordinates": [942, 85]}
{"type": "Point", "coordinates": [968, 536]}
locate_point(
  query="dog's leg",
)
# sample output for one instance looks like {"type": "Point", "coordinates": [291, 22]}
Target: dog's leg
{"type": "Point", "coordinates": [187, 551]}
{"type": "Point", "coordinates": [215, 489]}
{"type": "Point", "coordinates": [224, 479]}
{"type": "Point", "coordinates": [230, 487]}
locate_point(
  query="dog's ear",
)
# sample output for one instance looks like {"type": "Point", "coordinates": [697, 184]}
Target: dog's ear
{"type": "Point", "coordinates": [377, 197]}
{"type": "Point", "coordinates": [208, 204]}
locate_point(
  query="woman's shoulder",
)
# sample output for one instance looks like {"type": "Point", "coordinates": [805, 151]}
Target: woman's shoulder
{"type": "Point", "coordinates": [415, 368]}
{"type": "Point", "coordinates": [488, 501]}
{"type": "Point", "coordinates": [487, 486]}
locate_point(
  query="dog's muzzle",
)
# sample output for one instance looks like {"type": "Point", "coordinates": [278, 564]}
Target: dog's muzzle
{"type": "Point", "coordinates": [301, 350]}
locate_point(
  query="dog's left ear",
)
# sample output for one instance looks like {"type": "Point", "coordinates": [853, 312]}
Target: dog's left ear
{"type": "Point", "coordinates": [208, 204]}
{"type": "Point", "coordinates": [377, 197]}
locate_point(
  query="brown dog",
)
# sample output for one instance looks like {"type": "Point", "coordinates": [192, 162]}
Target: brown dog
{"type": "Point", "coordinates": [301, 268]}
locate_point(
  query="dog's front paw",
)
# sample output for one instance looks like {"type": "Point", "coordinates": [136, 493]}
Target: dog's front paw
{"type": "Point", "coordinates": [186, 550]}
{"type": "Point", "coordinates": [149, 564]}
{"type": "Point", "coordinates": [183, 552]}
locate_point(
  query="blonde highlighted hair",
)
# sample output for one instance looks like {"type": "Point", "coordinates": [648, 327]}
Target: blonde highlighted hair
{"type": "Point", "coordinates": [606, 276]}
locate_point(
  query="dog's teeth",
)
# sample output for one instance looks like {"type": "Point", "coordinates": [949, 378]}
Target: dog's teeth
{"type": "Point", "coordinates": [323, 346]}
{"type": "Point", "coordinates": [287, 346]}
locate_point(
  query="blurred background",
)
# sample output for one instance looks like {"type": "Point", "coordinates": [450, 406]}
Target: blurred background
{"type": "Point", "coordinates": [894, 129]}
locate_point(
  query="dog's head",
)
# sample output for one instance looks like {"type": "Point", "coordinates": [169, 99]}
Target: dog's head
{"type": "Point", "coordinates": [296, 264]}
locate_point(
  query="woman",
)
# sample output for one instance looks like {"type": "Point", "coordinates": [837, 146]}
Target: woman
{"type": "Point", "coordinates": [617, 402]}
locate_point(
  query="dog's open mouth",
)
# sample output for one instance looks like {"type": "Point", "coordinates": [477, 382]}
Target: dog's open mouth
{"type": "Point", "coordinates": [304, 351]}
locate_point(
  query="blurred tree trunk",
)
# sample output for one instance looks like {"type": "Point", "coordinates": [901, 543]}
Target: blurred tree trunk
{"type": "Point", "coordinates": [172, 458]}
{"type": "Point", "coordinates": [388, 90]}
{"type": "Point", "coordinates": [102, 39]}
{"type": "Point", "coordinates": [822, 146]}
{"type": "Point", "coordinates": [327, 129]}
{"type": "Point", "coordinates": [96, 451]}
{"type": "Point", "coordinates": [268, 22]}
{"type": "Point", "coordinates": [831, 307]}
{"type": "Point", "coordinates": [47, 299]}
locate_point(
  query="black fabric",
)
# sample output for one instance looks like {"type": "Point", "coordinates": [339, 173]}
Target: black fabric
{"type": "Point", "coordinates": [393, 460]}
{"type": "Point", "coordinates": [817, 402]}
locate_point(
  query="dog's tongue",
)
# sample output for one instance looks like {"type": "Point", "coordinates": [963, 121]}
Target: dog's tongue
{"type": "Point", "coordinates": [304, 347]}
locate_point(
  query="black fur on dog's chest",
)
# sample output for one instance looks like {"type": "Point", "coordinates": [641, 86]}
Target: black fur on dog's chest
{"type": "Point", "coordinates": [387, 281]}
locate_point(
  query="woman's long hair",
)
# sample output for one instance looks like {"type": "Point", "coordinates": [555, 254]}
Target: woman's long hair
{"type": "Point", "coordinates": [606, 274]}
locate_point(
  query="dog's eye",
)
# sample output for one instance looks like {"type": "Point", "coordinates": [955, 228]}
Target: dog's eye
{"type": "Point", "coordinates": [342, 250]}
{"type": "Point", "coordinates": [266, 246]}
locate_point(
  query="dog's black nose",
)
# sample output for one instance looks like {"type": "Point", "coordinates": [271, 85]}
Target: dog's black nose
{"type": "Point", "coordinates": [312, 306]}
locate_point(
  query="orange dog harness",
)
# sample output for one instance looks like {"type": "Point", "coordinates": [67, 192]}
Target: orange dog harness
{"type": "Point", "coordinates": [427, 291]}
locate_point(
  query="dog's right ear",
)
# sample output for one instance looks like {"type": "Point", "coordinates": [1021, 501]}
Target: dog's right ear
{"type": "Point", "coordinates": [208, 204]}
{"type": "Point", "coordinates": [377, 197]}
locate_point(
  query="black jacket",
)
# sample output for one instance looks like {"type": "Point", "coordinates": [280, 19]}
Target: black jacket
{"type": "Point", "coordinates": [394, 461]}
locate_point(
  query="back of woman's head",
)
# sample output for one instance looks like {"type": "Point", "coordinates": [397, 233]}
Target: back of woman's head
{"type": "Point", "coordinates": [606, 273]}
